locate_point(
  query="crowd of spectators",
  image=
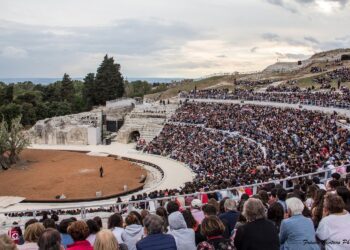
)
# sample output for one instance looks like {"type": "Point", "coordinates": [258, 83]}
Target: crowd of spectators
{"type": "Point", "coordinates": [272, 143]}
{"type": "Point", "coordinates": [310, 216]}
{"type": "Point", "coordinates": [283, 88]}
{"type": "Point", "coordinates": [340, 75]}
{"type": "Point", "coordinates": [316, 69]}
{"type": "Point", "coordinates": [253, 83]}
{"type": "Point", "coordinates": [326, 99]}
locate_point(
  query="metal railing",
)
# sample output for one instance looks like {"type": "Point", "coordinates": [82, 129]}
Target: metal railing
{"type": "Point", "coordinates": [153, 204]}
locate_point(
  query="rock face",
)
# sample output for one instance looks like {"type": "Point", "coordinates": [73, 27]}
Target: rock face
{"type": "Point", "coordinates": [83, 128]}
{"type": "Point", "coordinates": [78, 129]}
{"type": "Point", "coordinates": [145, 121]}
{"type": "Point", "coordinates": [327, 56]}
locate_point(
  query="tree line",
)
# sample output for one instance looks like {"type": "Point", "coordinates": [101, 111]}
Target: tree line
{"type": "Point", "coordinates": [34, 102]}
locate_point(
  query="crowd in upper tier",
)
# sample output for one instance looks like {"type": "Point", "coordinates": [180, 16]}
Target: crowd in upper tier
{"type": "Point", "coordinates": [325, 99]}
{"type": "Point", "coordinates": [272, 143]}
{"type": "Point", "coordinates": [283, 88]}
{"type": "Point", "coordinates": [311, 216]}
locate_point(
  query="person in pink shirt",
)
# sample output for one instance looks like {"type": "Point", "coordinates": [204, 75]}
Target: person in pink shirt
{"type": "Point", "coordinates": [196, 211]}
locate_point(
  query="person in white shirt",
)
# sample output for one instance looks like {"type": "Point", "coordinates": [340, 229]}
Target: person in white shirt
{"type": "Point", "coordinates": [115, 223]}
{"type": "Point", "coordinates": [333, 229]}
{"type": "Point", "coordinates": [31, 236]}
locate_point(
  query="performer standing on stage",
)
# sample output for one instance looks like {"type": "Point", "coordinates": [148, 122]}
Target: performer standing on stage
{"type": "Point", "coordinates": [101, 171]}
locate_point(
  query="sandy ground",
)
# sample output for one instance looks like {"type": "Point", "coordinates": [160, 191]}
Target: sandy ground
{"type": "Point", "coordinates": [47, 173]}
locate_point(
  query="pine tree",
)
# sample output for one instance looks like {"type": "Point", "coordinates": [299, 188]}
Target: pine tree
{"type": "Point", "coordinates": [89, 90]}
{"type": "Point", "coordinates": [109, 81]}
{"type": "Point", "coordinates": [67, 89]}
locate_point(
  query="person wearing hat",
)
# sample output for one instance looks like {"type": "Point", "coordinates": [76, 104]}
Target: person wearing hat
{"type": "Point", "coordinates": [196, 211]}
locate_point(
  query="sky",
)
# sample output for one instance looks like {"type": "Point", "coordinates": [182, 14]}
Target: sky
{"type": "Point", "coordinates": [163, 38]}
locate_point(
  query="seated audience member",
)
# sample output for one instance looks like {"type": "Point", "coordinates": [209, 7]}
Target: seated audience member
{"type": "Point", "coordinates": [49, 223]}
{"type": "Point", "coordinates": [6, 243]}
{"type": "Point", "coordinates": [335, 224]}
{"type": "Point", "coordinates": [98, 220]}
{"type": "Point", "coordinates": [230, 217]}
{"type": "Point", "coordinates": [105, 240]}
{"type": "Point", "coordinates": [138, 215]}
{"type": "Point", "coordinates": [94, 228]}
{"type": "Point", "coordinates": [275, 213]}
{"type": "Point", "coordinates": [79, 231]}
{"type": "Point", "coordinates": [264, 197]}
{"type": "Point", "coordinates": [196, 210]}
{"type": "Point", "coordinates": [332, 185]}
{"type": "Point", "coordinates": [213, 229]}
{"type": "Point", "coordinates": [133, 231]}
{"type": "Point", "coordinates": [172, 207]}
{"type": "Point", "coordinates": [336, 176]}
{"type": "Point", "coordinates": [66, 238]}
{"type": "Point", "coordinates": [344, 193]}
{"type": "Point", "coordinates": [311, 191]}
{"type": "Point", "coordinates": [297, 232]}
{"type": "Point", "coordinates": [192, 223]}
{"type": "Point", "coordinates": [347, 182]}
{"type": "Point", "coordinates": [184, 237]}
{"type": "Point", "coordinates": [209, 209]}
{"type": "Point", "coordinates": [317, 181]}
{"type": "Point", "coordinates": [258, 233]}
{"type": "Point", "coordinates": [50, 239]}
{"type": "Point", "coordinates": [115, 223]}
{"type": "Point", "coordinates": [31, 236]}
{"type": "Point", "coordinates": [273, 197]}
{"type": "Point", "coordinates": [161, 211]}
{"type": "Point", "coordinates": [282, 196]}
{"type": "Point", "coordinates": [155, 238]}
{"type": "Point", "coordinates": [215, 204]}
{"type": "Point", "coordinates": [29, 222]}
{"type": "Point", "coordinates": [16, 234]}
{"type": "Point", "coordinates": [317, 207]}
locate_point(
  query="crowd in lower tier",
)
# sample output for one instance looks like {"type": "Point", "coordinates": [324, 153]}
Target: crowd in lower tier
{"type": "Point", "coordinates": [315, 218]}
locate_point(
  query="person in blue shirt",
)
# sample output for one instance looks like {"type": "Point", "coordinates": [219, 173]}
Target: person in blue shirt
{"type": "Point", "coordinates": [155, 238]}
{"type": "Point", "coordinates": [66, 239]}
{"type": "Point", "coordinates": [297, 232]}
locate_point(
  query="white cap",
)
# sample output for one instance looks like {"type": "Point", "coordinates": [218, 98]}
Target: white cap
{"type": "Point", "coordinates": [196, 203]}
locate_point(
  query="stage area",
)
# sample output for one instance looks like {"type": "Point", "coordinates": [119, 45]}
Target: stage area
{"type": "Point", "coordinates": [44, 174]}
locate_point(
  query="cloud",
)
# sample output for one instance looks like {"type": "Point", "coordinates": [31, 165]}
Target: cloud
{"type": "Point", "coordinates": [311, 39]}
{"type": "Point", "coordinates": [272, 37]}
{"type": "Point", "coordinates": [13, 53]}
{"type": "Point", "coordinates": [254, 49]}
{"type": "Point", "coordinates": [326, 6]}
{"type": "Point", "coordinates": [284, 4]}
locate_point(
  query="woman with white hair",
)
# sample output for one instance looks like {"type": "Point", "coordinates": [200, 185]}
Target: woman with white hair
{"type": "Point", "coordinates": [297, 232]}
{"type": "Point", "coordinates": [258, 233]}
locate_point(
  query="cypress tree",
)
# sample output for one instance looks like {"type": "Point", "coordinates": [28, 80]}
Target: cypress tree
{"type": "Point", "coordinates": [109, 81]}
{"type": "Point", "coordinates": [67, 89]}
{"type": "Point", "coordinates": [89, 90]}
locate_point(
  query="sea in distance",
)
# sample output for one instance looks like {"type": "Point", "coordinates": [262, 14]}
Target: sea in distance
{"type": "Point", "coordinates": [52, 80]}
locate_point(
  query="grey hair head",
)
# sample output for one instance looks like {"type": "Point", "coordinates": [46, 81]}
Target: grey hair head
{"type": "Point", "coordinates": [154, 224]}
{"type": "Point", "coordinates": [295, 206]}
{"type": "Point", "coordinates": [230, 205]}
{"type": "Point", "coordinates": [253, 210]}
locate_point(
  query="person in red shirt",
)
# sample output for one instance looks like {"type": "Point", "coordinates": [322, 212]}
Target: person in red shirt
{"type": "Point", "coordinates": [16, 235]}
{"type": "Point", "coordinates": [79, 231]}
